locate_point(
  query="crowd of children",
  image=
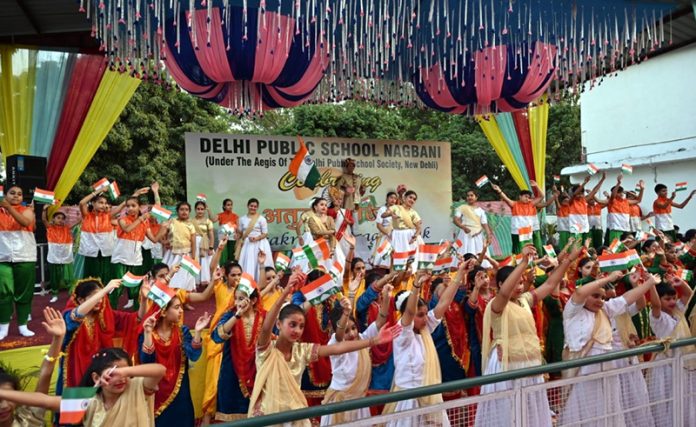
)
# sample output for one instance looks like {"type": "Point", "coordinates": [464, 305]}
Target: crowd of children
{"type": "Point", "coordinates": [271, 348]}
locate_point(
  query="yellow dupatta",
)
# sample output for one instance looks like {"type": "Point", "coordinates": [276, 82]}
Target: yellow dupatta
{"type": "Point", "coordinates": [358, 388]}
{"type": "Point", "coordinates": [405, 216]}
{"type": "Point", "coordinates": [132, 409]}
{"type": "Point", "coordinates": [516, 336]}
{"type": "Point", "coordinates": [601, 333]}
{"type": "Point", "coordinates": [626, 328]}
{"type": "Point", "coordinates": [275, 388]}
{"type": "Point", "coordinates": [469, 219]}
{"type": "Point", "coordinates": [238, 249]}
{"type": "Point", "coordinates": [431, 375]}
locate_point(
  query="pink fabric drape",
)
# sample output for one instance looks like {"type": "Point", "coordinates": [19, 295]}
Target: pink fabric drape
{"type": "Point", "coordinates": [83, 85]}
{"type": "Point", "coordinates": [538, 74]}
{"type": "Point", "coordinates": [213, 58]}
{"type": "Point", "coordinates": [490, 74]}
{"type": "Point", "coordinates": [272, 50]}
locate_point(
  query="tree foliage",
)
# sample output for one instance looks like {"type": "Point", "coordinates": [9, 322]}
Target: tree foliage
{"type": "Point", "coordinates": [147, 142]}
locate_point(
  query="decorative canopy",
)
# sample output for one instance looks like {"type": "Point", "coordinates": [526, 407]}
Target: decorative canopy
{"type": "Point", "coordinates": [458, 56]}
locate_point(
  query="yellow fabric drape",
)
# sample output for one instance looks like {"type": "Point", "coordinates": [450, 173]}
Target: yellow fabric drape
{"type": "Point", "coordinates": [538, 124]}
{"type": "Point", "coordinates": [114, 92]}
{"type": "Point", "coordinates": [17, 86]}
{"type": "Point", "coordinates": [490, 128]}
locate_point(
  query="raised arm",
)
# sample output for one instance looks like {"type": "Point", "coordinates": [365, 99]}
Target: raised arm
{"type": "Point", "coordinates": [557, 274]}
{"type": "Point", "coordinates": [686, 290]}
{"type": "Point", "coordinates": [503, 296]}
{"type": "Point", "coordinates": [412, 302]}
{"type": "Point", "coordinates": [584, 291]}
{"type": "Point", "coordinates": [655, 305]}
{"type": "Point", "coordinates": [151, 372]}
{"type": "Point", "coordinates": [636, 294]}
{"type": "Point", "coordinates": [44, 216]}
{"type": "Point", "coordinates": [639, 197]}
{"type": "Point", "coordinates": [155, 191]}
{"type": "Point", "coordinates": [215, 261]}
{"type": "Point", "coordinates": [341, 325]}
{"type": "Point", "coordinates": [195, 297]}
{"type": "Point", "coordinates": [685, 202]}
{"type": "Point", "coordinates": [596, 188]}
{"type": "Point", "coordinates": [92, 301]}
{"type": "Point", "coordinates": [32, 399]}
{"type": "Point", "coordinates": [502, 195]}
{"type": "Point", "coordinates": [84, 209]}
{"type": "Point", "coordinates": [55, 326]}
{"type": "Point", "coordinates": [384, 306]}
{"type": "Point", "coordinates": [448, 295]}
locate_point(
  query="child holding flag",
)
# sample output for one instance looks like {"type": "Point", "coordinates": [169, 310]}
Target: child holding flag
{"type": "Point", "coordinates": [382, 252]}
{"type": "Point", "coordinates": [577, 209]}
{"type": "Point", "coordinates": [164, 340]}
{"type": "Point", "coordinates": [320, 224]}
{"type": "Point", "coordinates": [205, 239]}
{"type": "Point", "coordinates": [619, 211]}
{"type": "Point", "coordinates": [406, 224]}
{"type": "Point", "coordinates": [17, 261]}
{"type": "Point", "coordinates": [662, 208]}
{"type": "Point", "coordinates": [472, 223]}
{"type": "Point", "coordinates": [60, 252]}
{"type": "Point", "coordinates": [281, 362]}
{"type": "Point", "coordinates": [227, 220]}
{"type": "Point", "coordinates": [183, 241]}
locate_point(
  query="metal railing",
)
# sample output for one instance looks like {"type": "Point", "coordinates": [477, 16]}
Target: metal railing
{"type": "Point", "coordinates": [377, 400]}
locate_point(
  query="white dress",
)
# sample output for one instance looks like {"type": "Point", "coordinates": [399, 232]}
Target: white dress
{"type": "Point", "coordinates": [307, 238]}
{"type": "Point", "coordinates": [634, 390]}
{"type": "Point", "coordinates": [343, 370]}
{"type": "Point", "coordinates": [590, 399]}
{"type": "Point", "coordinates": [660, 378]}
{"type": "Point", "coordinates": [471, 244]}
{"type": "Point", "coordinates": [377, 260]}
{"type": "Point", "coordinates": [248, 257]}
{"type": "Point", "coordinates": [409, 363]}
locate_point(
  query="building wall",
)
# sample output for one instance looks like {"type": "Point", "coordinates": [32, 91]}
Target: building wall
{"type": "Point", "coordinates": [644, 116]}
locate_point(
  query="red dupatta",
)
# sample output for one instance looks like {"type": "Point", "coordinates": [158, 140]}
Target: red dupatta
{"type": "Point", "coordinates": [380, 353]}
{"type": "Point", "coordinates": [320, 370]}
{"type": "Point", "coordinates": [456, 333]}
{"type": "Point", "coordinates": [243, 352]}
{"type": "Point", "coordinates": [170, 354]}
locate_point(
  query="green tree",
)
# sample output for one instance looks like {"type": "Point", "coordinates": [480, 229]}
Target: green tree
{"type": "Point", "coordinates": [147, 142]}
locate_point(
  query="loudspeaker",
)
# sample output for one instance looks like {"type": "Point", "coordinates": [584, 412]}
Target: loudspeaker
{"type": "Point", "coordinates": [29, 172]}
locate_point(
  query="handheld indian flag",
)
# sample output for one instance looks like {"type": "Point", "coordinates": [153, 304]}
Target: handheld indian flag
{"type": "Point", "coordinates": [626, 169]}
{"type": "Point", "coordinates": [303, 167]}
{"type": "Point", "coordinates": [680, 186]}
{"type": "Point", "coordinates": [336, 272]}
{"type": "Point", "coordinates": [637, 189]}
{"type": "Point", "coordinates": [525, 234]}
{"type": "Point", "coordinates": [317, 251]}
{"type": "Point", "coordinates": [161, 294]}
{"type": "Point", "coordinates": [442, 265]}
{"type": "Point", "coordinates": [384, 249]}
{"type": "Point", "coordinates": [100, 185]}
{"type": "Point", "coordinates": [592, 168]}
{"type": "Point", "coordinates": [189, 264]}
{"type": "Point", "coordinates": [616, 246]}
{"type": "Point", "coordinates": [160, 213]}
{"type": "Point", "coordinates": [320, 290]}
{"type": "Point", "coordinates": [247, 284]}
{"type": "Point", "coordinates": [482, 181]}
{"type": "Point", "coordinates": [519, 258]}
{"type": "Point", "coordinates": [643, 236]}
{"type": "Point", "coordinates": [505, 262]}
{"type": "Point", "coordinates": [426, 256]}
{"type": "Point", "coordinates": [685, 275]}
{"type": "Point", "coordinates": [550, 251]}
{"type": "Point", "coordinates": [74, 403]}
{"type": "Point", "coordinates": [556, 179]}
{"type": "Point", "coordinates": [399, 260]}
{"type": "Point", "coordinates": [200, 197]}
{"type": "Point", "coordinates": [368, 201]}
{"type": "Point", "coordinates": [114, 191]}
{"type": "Point", "coordinates": [130, 280]}
{"type": "Point", "coordinates": [614, 262]}
{"type": "Point", "coordinates": [298, 254]}
{"type": "Point", "coordinates": [281, 262]}
{"type": "Point", "coordinates": [44, 196]}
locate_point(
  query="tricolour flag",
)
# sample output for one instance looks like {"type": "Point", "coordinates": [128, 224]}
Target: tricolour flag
{"type": "Point", "coordinates": [74, 403]}
{"type": "Point", "coordinates": [228, 229]}
{"type": "Point", "coordinates": [685, 275]}
{"type": "Point", "coordinates": [336, 271]}
{"type": "Point", "coordinates": [320, 290]}
{"type": "Point", "coordinates": [592, 168]}
{"type": "Point", "coordinates": [556, 179]}
{"type": "Point", "coordinates": [298, 254]}
{"type": "Point", "coordinates": [637, 189]}
{"type": "Point", "coordinates": [442, 265]}
{"type": "Point", "coordinates": [200, 197]}
{"type": "Point", "coordinates": [482, 181]}
{"type": "Point", "coordinates": [680, 186]}
{"type": "Point", "coordinates": [303, 167]}
{"type": "Point", "coordinates": [626, 168]}
{"type": "Point", "coordinates": [247, 284]}
{"type": "Point", "coordinates": [316, 251]}
{"type": "Point", "coordinates": [384, 249]}
{"type": "Point", "coordinates": [643, 236]}
{"type": "Point", "coordinates": [44, 196]}
{"type": "Point", "coordinates": [160, 213]}
{"type": "Point", "coordinates": [161, 294]}
{"type": "Point", "coordinates": [281, 262]}
{"type": "Point", "coordinates": [426, 256]}
{"type": "Point", "coordinates": [616, 246]}
{"type": "Point", "coordinates": [189, 264]}
{"type": "Point", "coordinates": [101, 184]}
{"type": "Point", "coordinates": [633, 258]}
{"type": "Point", "coordinates": [399, 260]}
{"type": "Point", "coordinates": [505, 262]}
{"type": "Point", "coordinates": [457, 245]}
{"type": "Point", "coordinates": [368, 201]}
{"type": "Point", "coordinates": [525, 234]}
{"type": "Point", "coordinates": [614, 262]}
{"type": "Point", "coordinates": [550, 251]}
{"type": "Point", "coordinates": [130, 280]}
{"type": "Point", "coordinates": [114, 191]}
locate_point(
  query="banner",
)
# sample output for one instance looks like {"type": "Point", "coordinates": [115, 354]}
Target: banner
{"type": "Point", "coordinates": [240, 167]}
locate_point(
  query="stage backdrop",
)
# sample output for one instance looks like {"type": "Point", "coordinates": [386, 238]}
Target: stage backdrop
{"type": "Point", "coordinates": [244, 166]}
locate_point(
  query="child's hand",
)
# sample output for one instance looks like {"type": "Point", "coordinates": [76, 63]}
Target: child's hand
{"type": "Point", "coordinates": [202, 322]}
{"type": "Point", "coordinates": [389, 333]}
{"type": "Point", "coordinates": [53, 322]}
{"type": "Point", "coordinates": [355, 283]}
{"type": "Point", "coordinates": [243, 306]}
{"type": "Point", "coordinates": [113, 284]}
{"type": "Point", "coordinates": [347, 306]}
{"type": "Point", "coordinates": [261, 257]}
{"type": "Point", "coordinates": [614, 276]}
{"type": "Point", "coordinates": [150, 322]}
{"type": "Point", "coordinates": [217, 275]}
{"type": "Point", "coordinates": [387, 290]}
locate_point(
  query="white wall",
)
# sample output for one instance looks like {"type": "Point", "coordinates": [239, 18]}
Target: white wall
{"type": "Point", "coordinates": [651, 105]}
{"type": "Point", "coordinates": [665, 173]}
